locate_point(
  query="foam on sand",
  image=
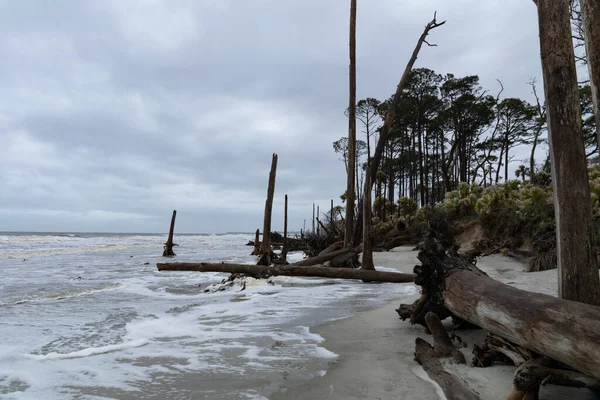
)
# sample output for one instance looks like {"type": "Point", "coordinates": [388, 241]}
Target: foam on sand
{"type": "Point", "coordinates": [91, 351]}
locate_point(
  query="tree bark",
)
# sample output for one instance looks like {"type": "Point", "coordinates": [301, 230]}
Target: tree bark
{"type": "Point", "coordinates": [284, 249]}
{"type": "Point", "coordinates": [256, 250]}
{"type": "Point", "coordinates": [168, 250]}
{"type": "Point", "coordinates": [260, 271]}
{"type": "Point", "coordinates": [590, 11]}
{"type": "Point", "coordinates": [351, 130]}
{"type": "Point", "coordinates": [318, 223]}
{"type": "Point", "coordinates": [541, 114]}
{"type": "Point", "coordinates": [313, 219]}
{"type": "Point", "coordinates": [563, 330]}
{"type": "Point", "coordinates": [265, 258]}
{"type": "Point", "coordinates": [367, 255]}
{"type": "Point", "coordinates": [576, 247]}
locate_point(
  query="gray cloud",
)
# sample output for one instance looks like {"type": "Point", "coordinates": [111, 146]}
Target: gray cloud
{"type": "Point", "coordinates": [114, 113]}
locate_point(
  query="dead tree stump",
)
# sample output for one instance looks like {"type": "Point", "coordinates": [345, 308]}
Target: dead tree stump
{"type": "Point", "coordinates": [168, 248]}
{"type": "Point", "coordinates": [266, 253]}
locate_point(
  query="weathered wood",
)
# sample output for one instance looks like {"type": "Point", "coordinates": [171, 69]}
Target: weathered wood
{"type": "Point", "coordinates": [331, 214]}
{"type": "Point", "coordinates": [284, 249]}
{"type": "Point", "coordinates": [367, 255]}
{"type": "Point", "coordinates": [590, 13]}
{"type": "Point", "coordinates": [260, 271]}
{"type": "Point", "coordinates": [391, 111]}
{"type": "Point", "coordinates": [576, 244]}
{"type": "Point", "coordinates": [429, 358]}
{"type": "Point", "coordinates": [256, 250]}
{"type": "Point", "coordinates": [318, 223]}
{"type": "Point", "coordinates": [266, 252]}
{"type": "Point", "coordinates": [566, 331]}
{"type": "Point", "coordinates": [322, 258]}
{"type": "Point", "coordinates": [396, 241]}
{"type": "Point", "coordinates": [168, 249]}
{"type": "Point", "coordinates": [350, 194]}
{"type": "Point", "coordinates": [538, 372]}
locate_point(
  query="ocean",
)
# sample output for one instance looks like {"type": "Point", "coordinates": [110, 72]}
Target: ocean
{"type": "Point", "coordinates": [88, 316]}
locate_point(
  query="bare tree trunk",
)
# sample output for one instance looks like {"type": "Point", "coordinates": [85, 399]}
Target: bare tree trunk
{"type": "Point", "coordinates": [290, 270]}
{"type": "Point", "coordinates": [367, 258]}
{"type": "Point", "coordinates": [506, 145]}
{"type": "Point", "coordinates": [265, 257]}
{"type": "Point", "coordinates": [590, 10]}
{"type": "Point", "coordinates": [576, 248]}
{"type": "Point", "coordinates": [168, 250]}
{"type": "Point", "coordinates": [313, 219]}
{"type": "Point", "coordinates": [351, 130]}
{"type": "Point", "coordinates": [389, 117]}
{"type": "Point", "coordinates": [256, 249]}
{"type": "Point", "coordinates": [284, 248]}
{"type": "Point", "coordinates": [421, 174]}
{"type": "Point", "coordinates": [500, 159]}
{"type": "Point", "coordinates": [538, 130]}
{"type": "Point", "coordinates": [331, 214]}
{"type": "Point", "coordinates": [318, 227]}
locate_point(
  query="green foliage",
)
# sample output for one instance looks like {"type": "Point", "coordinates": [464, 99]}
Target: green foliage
{"type": "Point", "coordinates": [380, 203]}
{"type": "Point", "coordinates": [543, 178]}
{"type": "Point", "coordinates": [407, 208]}
{"type": "Point", "coordinates": [508, 213]}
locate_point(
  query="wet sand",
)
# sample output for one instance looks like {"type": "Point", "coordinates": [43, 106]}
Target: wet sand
{"type": "Point", "coordinates": [376, 350]}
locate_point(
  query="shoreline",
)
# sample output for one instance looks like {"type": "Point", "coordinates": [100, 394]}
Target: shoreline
{"type": "Point", "coordinates": [376, 350]}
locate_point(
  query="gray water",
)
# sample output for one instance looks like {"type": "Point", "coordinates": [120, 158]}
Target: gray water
{"type": "Point", "coordinates": [88, 316]}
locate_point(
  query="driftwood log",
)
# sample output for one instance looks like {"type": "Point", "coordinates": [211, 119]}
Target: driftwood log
{"type": "Point", "coordinates": [430, 359]}
{"type": "Point", "coordinates": [565, 331]}
{"type": "Point", "coordinates": [259, 271]}
{"type": "Point", "coordinates": [328, 256]}
{"type": "Point", "coordinates": [540, 371]}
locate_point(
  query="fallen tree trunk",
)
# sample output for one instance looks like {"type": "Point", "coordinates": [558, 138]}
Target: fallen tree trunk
{"type": "Point", "coordinates": [566, 331]}
{"type": "Point", "coordinates": [259, 271]}
{"type": "Point", "coordinates": [327, 256]}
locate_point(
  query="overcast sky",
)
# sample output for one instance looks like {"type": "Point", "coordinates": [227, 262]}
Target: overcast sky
{"type": "Point", "coordinates": [115, 112]}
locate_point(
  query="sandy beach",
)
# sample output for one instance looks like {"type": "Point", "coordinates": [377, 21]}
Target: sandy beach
{"type": "Point", "coordinates": [375, 349]}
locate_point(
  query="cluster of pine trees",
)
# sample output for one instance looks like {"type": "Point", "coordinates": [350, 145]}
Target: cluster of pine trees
{"type": "Point", "coordinates": [449, 129]}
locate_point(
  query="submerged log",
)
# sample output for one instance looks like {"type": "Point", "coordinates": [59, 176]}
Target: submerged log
{"type": "Point", "coordinates": [566, 331]}
{"type": "Point", "coordinates": [259, 271]}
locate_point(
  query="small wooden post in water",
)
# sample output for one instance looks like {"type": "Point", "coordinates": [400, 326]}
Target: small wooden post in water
{"type": "Point", "coordinates": [168, 249]}
{"type": "Point", "coordinates": [265, 256]}
{"type": "Point", "coordinates": [256, 250]}
{"type": "Point", "coordinates": [284, 249]}
{"type": "Point", "coordinates": [367, 255]}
